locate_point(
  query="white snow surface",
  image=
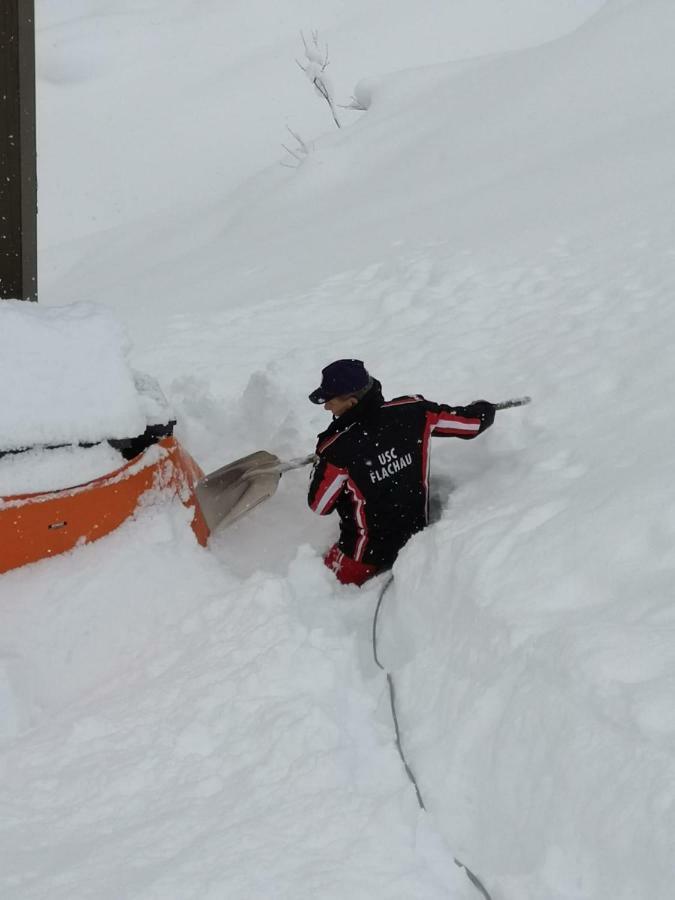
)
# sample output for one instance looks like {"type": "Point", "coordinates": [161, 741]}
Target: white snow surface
{"type": "Point", "coordinates": [187, 723]}
{"type": "Point", "coordinates": [56, 468]}
{"type": "Point", "coordinates": [65, 376]}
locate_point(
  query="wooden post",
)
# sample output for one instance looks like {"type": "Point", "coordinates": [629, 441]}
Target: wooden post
{"type": "Point", "coordinates": [18, 156]}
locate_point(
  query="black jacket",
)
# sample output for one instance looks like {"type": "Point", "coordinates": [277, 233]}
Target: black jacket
{"type": "Point", "coordinates": [373, 467]}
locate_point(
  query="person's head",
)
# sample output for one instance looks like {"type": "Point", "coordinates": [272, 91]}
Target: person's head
{"type": "Point", "coordinates": [343, 383]}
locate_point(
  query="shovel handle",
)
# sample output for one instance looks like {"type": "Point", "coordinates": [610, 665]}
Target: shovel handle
{"type": "Point", "coordinates": [515, 401]}
{"type": "Point", "coordinates": [297, 463]}
{"type": "Point", "coordinates": [279, 467]}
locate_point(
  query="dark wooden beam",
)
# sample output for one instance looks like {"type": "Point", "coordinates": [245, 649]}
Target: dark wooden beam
{"type": "Point", "coordinates": [18, 156]}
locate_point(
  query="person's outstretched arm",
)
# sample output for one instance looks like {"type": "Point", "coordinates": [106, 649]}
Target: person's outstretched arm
{"type": "Point", "coordinates": [459, 421]}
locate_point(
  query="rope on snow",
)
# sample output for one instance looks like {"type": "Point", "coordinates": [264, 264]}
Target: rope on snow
{"type": "Point", "coordinates": [474, 879]}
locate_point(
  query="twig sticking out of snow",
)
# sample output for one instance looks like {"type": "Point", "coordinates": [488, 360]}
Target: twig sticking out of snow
{"type": "Point", "coordinates": [362, 96]}
{"type": "Point", "coordinates": [315, 70]}
{"type": "Point", "coordinates": [353, 105]}
{"type": "Point", "coordinates": [299, 153]}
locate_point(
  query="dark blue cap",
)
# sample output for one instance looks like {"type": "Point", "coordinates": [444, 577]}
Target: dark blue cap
{"type": "Point", "coordinates": [344, 376]}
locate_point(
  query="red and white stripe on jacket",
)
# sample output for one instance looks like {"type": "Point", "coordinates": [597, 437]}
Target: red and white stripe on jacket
{"type": "Point", "coordinates": [360, 519]}
{"type": "Point", "coordinates": [444, 423]}
{"type": "Point", "coordinates": [450, 424]}
{"type": "Point", "coordinates": [329, 490]}
{"type": "Point", "coordinates": [333, 481]}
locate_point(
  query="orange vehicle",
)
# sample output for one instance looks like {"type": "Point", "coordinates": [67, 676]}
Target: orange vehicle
{"type": "Point", "coordinates": [35, 526]}
{"type": "Point", "coordinates": [88, 436]}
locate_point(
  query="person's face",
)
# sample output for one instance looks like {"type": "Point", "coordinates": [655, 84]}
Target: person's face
{"type": "Point", "coordinates": [339, 405]}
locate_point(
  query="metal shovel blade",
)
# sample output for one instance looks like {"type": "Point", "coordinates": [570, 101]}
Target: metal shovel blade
{"type": "Point", "coordinates": [235, 489]}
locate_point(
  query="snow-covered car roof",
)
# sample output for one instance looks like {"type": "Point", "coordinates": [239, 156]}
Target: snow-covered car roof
{"type": "Point", "coordinates": [66, 378]}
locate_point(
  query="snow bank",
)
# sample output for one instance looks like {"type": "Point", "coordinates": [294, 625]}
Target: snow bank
{"type": "Point", "coordinates": [537, 701]}
{"type": "Point", "coordinates": [65, 376]}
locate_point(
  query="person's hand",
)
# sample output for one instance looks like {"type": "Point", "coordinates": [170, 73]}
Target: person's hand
{"type": "Point", "coordinates": [486, 411]}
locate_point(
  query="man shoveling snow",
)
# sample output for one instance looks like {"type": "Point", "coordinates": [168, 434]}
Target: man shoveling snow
{"type": "Point", "coordinates": [373, 465]}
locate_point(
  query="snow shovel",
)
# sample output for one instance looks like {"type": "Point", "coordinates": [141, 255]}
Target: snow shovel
{"type": "Point", "coordinates": [235, 489]}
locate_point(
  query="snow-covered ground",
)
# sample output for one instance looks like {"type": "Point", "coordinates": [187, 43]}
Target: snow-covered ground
{"type": "Point", "coordinates": [188, 723]}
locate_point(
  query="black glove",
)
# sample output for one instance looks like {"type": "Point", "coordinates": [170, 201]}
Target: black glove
{"type": "Point", "coordinates": [485, 411]}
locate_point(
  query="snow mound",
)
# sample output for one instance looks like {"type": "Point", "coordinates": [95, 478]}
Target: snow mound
{"type": "Point", "coordinates": [66, 372]}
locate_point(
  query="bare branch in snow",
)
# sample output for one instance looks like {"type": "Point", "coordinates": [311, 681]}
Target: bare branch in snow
{"type": "Point", "coordinates": [353, 105]}
{"type": "Point", "coordinates": [299, 153]}
{"type": "Point", "coordinates": [315, 70]}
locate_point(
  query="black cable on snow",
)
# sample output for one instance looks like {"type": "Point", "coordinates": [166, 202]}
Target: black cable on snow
{"type": "Point", "coordinates": [385, 588]}
{"type": "Point", "coordinates": [474, 879]}
{"type": "Point", "coordinates": [392, 696]}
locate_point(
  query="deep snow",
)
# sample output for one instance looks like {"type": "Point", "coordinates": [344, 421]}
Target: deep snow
{"type": "Point", "coordinates": [188, 723]}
